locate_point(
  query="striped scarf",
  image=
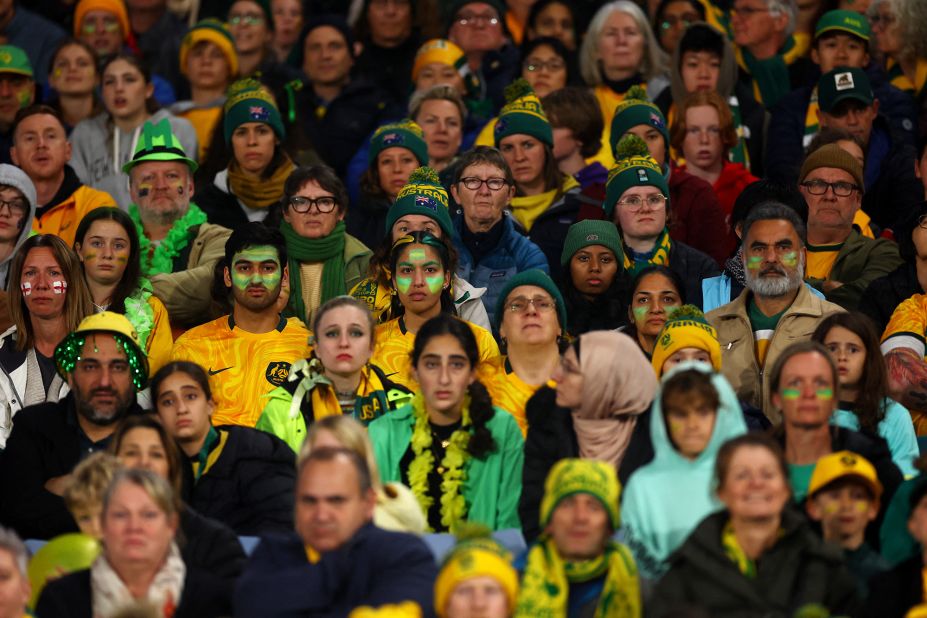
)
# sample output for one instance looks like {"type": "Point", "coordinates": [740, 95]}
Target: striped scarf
{"type": "Point", "coordinates": [659, 255]}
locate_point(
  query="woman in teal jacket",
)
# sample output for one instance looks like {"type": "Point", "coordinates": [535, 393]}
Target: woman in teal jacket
{"type": "Point", "coordinates": [461, 457]}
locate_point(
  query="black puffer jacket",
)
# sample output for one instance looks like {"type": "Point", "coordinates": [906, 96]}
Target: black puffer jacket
{"type": "Point", "coordinates": [210, 546]}
{"type": "Point", "coordinates": [366, 221]}
{"type": "Point", "coordinates": [884, 294]}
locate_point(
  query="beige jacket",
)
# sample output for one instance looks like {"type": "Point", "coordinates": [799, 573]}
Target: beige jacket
{"type": "Point", "coordinates": [738, 350]}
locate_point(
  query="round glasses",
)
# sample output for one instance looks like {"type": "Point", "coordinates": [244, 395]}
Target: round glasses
{"type": "Point", "coordinates": [634, 203]}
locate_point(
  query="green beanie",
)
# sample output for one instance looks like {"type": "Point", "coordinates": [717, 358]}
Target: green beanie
{"type": "Point", "coordinates": [249, 101]}
{"type": "Point", "coordinates": [535, 277]}
{"type": "Point", "coordinates": [569, 477]}
{"type": "Point", "coordinates": [591, 232]}
{"type": "Point", "coordinates": [634, 167]}
{"type": "Point", "coordinates": [157, 142]}
{"type": "Point", "coordinates": [403, 134]}
{"type": "Point", "coordinates": [422, 195]}
{"type": "Point", "coordinates": [636, 110]}
{"type": "Point", "coordinates": [522, 115]}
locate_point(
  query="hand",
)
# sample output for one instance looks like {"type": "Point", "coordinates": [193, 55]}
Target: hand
{"type": "Point", "coordinates": [57, 484]}
{"type": "Point", "coordinates": [907, 378]}
{"type": "Point", "coordinates": [830, 285]}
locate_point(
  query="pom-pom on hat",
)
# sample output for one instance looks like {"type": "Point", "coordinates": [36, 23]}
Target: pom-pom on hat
{"type": "Point", "coordinates": [635, 109]}
{"type": "Point", "coordinates": [687, 328]}
{"type": "Point", "coordinates": [537, 278]}
{"type": "Point", "coordinates": [591, 232]}
{"type": "Point", "coordinates": [581, 476]}
{"type": "Point", "coordinates": [157, 142]}
{"type": "Point", "coordinates": [476, 554]}
{"type": "Point", "coordinates": [423, 195]}
{"type": "Point", "coordinates": [69, 350]}
{"type": "Point", "coordinates": [215, 32]}
{"type": "Point", "coordinates": [522, 115]}
{"type": "Point", "coordinates": [250, 101]}
{"type": "Point", "coordinates": [634, 167]}
{"type": "Point", "coordinates": [403, 134]}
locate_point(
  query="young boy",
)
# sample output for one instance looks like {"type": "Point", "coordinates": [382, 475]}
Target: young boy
{"type": "Point", "coordinates": [694, 414]}
{"type": "Point", "coordinates": [83, 496]}
{"type": "Point", "coordinates": [578, 145]}
{"type": "Point", "coordinates": [843, 496]}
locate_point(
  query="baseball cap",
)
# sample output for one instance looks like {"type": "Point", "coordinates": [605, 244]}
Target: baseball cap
{"type": "Point", "coordinates": [850, 22]}
{"type": "Point", "coordinates": [841, 84]}
{"type": "Point", "coordinates": [14, 60]}
{"type": "Point", "coordinates": [844, 464]}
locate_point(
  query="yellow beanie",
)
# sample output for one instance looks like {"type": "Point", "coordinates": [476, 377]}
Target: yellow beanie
{"type": "Point", "coordinates": [215, 32]}
{"type": "Point", "coordinates": [476, 557]}
{"type": "Point", "coordinates": [116, 7]}
{"type": "Point", "coordinates": [438, 50]}
{"type": "Point", "coordinates": [687, 328]}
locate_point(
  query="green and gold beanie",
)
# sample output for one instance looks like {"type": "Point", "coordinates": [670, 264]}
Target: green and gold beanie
{"type": "Point", "coordinates": [157, 142]}
{"type": "Point", "coordinates": [422, 195]}
{"type": "Point", "coordinates": [581, 476]}
{"type": "Point", "coordinates": [635, 109]}
{"type": "Point", "coordinates": [633, 167]}
{"type": "Point", "coordinates": [522, 115]}
{"type": "Point", "coordinates": [591, 232]}
{"type": "Point", "coordinates": [535, 277]}
{"type": "Point", "coordinates": [403, 134]}
{"type": "Point", "coordinates": [687, 328]}
{"type": "Point", "coordinates": [250, 101]}
{"type": "Point", "coordinates": [215, 32]}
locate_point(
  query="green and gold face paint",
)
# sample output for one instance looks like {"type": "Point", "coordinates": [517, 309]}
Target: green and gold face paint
{"type": "Point", "coordinates": [825, 394]}
{"type": "Point", "coordinates": [790, 259]}
{"type": "Point", "coordinates": [256, 260]}
{"type": "Point", "coordinates": [791, 394]}
{"type": "Point", "coordinates": [754, 262]}
{"type": "Point", "coordinates": [418, 260]}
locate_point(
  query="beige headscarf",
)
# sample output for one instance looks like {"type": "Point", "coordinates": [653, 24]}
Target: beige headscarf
{"type": "Point", "coordinates": [618, 385]}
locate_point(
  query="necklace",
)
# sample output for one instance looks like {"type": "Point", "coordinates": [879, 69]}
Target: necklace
{"type": "Point", "coordinates": [98, 308]}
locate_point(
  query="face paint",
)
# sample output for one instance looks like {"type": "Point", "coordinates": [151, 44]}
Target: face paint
{"type": "Point", "coordinates": [791, 394]}
{"type": "Point", "coordinates": [59, 287]}
{"type": "Point", "coordinates": [57, 72]}
{"type": "Point", "coordinates": [676, 426]}
{"type": "Point", "coordinates": [861, 506]}
{"type": "Point", "coordinates": [790, 259]}
{"type": "Point", "coordinates": [639, 313]}
{"type": "Point", "coordinates": [179, 186]}
{"type": "Point", "coordinates": [25, 97]}
{"type": "Point", "coordinates": [824, 393]}
{"type": "Point", "coordinates": [669, 311]}
{"type": "Point", "coordinates": [144, 189]}
{"type": "Point", "coordinates": [26, 288]}
{"type": "Point", "coordinates": [830, 508]}
{"type": "Point", "coordinates": [256, 256]}
{"type": "Point", "coordinates": [754, 262]}
{"type": "Point", "coordinates": [403, 284]}
{"type": "Point", "coordinates": [417, 254]}
{"type": "Point", "coordinates": [435, 283]}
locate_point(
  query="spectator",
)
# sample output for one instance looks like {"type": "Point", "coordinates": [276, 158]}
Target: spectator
{"type": "Point", "coordinates": [774, 310]}
{"type": "Point", "coordinates": [338, 111]}
{"type": "Point", "coordinates": [147, 563]}
{"type": "Point", "coordinates": [396, 150]}
{"type": "Point", "coordinates": [48, 299]}
{"type": "Point", "coordinates": [337, 379]}
{"type": "Point", "coordinates": [841, 39]}
{"type": "Point", "coordinates": [210, 63]}
{"type": "Point", "coordinates": [421, 267]}
{"type": "Point", "coordinates": [107, 244]}
{"type": "Point", "coordinates": [900, 37]}
{"type": "Point", "coordinates": [442, 114]}
{"type": "Point", "coordinates": [579, 494]}
{"type": "Point", "coordinates": [337, 559]}
{"type": "Point", "coordinates": [178, 248]}
{"type": "Point", "coordinates": [600, 410]}
{"type": "Point", "coordinates": [843, 496]}
{"type": "Point", "coordinates": [530, 321]}
{"type": "Point", "coordinates": [389, 39]}
{"type": "Point", "coordinates": [142, 442]}
{"type": "Point", "coordinates": [41, 149]}
{"type": "Point", "coordinates": [637, 201]}
{"type": "Point", "coordinates": [891, 187]}
{"type": "Point", "coordinates": [421, 207]}
{"type": "Point", "coordinates": [288, 21]}
{"type": "Point", "coordinates": [672, 18]}
{"type": "Point", "coordinates": [476, 579]}
{"type": "Point", "coordinates": [242, 477]}
{"type": "Point", "coordinates": [74, 79]}
{"type": "Point", "coordinates": [903, 347]}
{"type": "Point", "coordinates": [249, 189]}
{"type": "Point", "coordinates": [158, 35]}
{"type": "Point", "coordinates": [449, 432]}
{"type": "Point", "coordinates": [595, 285]}
{"type": "Point", "coordinates": [864, 404]}
{"type": "Point", "coordinates": [17, 90]}
{"type": "Point", "coordinates": [619, 51]}
{"type": "Point", "coordinates": [102, 145]}
{"type": "Point", "coordinates": [253, 347]}
{"type": "Point", "coordinates": [686, 336]}
{"type": "Point", "coordinates": [546, 65]}
{"type": "Point", "coordinates": [104, 367]}
{"type": "Point", "coordinates": [577, 129]}
{"type": "Point", "coordinates": [324, 260]}
{"type": "Point", "coordinates": [17, 193]}
{"type": "Point", "coordinates": [83, 495]}
{"type": "Point", "coordinates": [770, 57]}
{"type": "Point", "coordinates": [545, 202]}
{"type": "Point", "coordinates": [489, 245]}
{"type": "Point", "coordinates": [441, 62]}
{"type": "Point", "coordinates": [32, 33]}
{"type": "Point", "coordinates": [14, 558]}
{"type": "Point", "coordinates": [740, 559]}
{"type": "Point", "coordinates": [695, 413]}
{"type": "Point", "coordinates": [552, 18]}
{"type": "Point", "coordinates": [656, 291]}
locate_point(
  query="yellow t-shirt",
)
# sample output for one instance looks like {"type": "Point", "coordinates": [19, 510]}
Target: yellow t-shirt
{"type": "Point", "coordinates": [243, 366]}
{"type": "Point", "coordinates": [821, 260]}
{"type": "Point", "coordinates": [507, 390]}
{"type": "Point", "coordinates": [394, 344]}
{"type": "Point", "coordinates": [204, 121]}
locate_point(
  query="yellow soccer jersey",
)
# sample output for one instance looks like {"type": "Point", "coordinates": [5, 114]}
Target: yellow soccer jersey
{"type": "Point", "coordinates": [907, 326]}
{"type": "Point", "coordinates": [507, 390]}
{"type": "Point", "coordinates": [242, 366]}
{"type": "Point", "coordinates": [394, 348]}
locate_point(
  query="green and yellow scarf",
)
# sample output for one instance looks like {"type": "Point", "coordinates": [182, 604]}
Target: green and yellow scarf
{"type": "Point", "coordinates": [328, 250]}
{"type": "Point", "coordinates": [262, 194]}
{"type": "Point", "coordinates": [545, 588]}
{"type": "Point", "coordinates": [659, 255]}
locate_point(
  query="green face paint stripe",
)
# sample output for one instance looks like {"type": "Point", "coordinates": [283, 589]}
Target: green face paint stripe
{"type": "Point", "coordinates": [790, 258]}
{"type": "Point", "coordinates": [403, 284]}
{"type": "Point", "coordinates": [435, 283]}
{"type": "Point", "coordinates": [824, 393]}
{"type": "Point", "coordinates": [256, 256]}
{"type": "Point", "coordinates": [791, 393]}
{"type": "Point", "coordinates": [639, 312]}
{"type": "Point", "coordinates": [417, 254]}
{"type": "Point", "coordinates": [754, 261]}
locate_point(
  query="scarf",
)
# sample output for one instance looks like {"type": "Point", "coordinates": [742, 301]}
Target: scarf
{"type": "Point", "coordinates": [139, 312]}
{"type": "Point", "coordinates": [734, 267]}
{"type": "Point", "coordinates": [771, 79]}
{"type": "Point", "coordinates": [811, 118]}
{"type": "Point", "coordinates": [259, 194]}
{"type": "Point", "coordinates": [739, 153]}
{"type": "Point", "coordinates": [545, 588]}
{"type": "Point", "coordinates": [898, 79]}
{"type": "Point", "coordinates": [618, 385]}
{"type": "Point", "coordinates": [329, 250]}
{"type": "Point", "coordinates": [110, 595]}
{"type": "Point", "coordinates": [660, 254]}
{"type": "Point", "coordinates": [527, 208]}
{"type": "Point", "coordinates": [161, 260]}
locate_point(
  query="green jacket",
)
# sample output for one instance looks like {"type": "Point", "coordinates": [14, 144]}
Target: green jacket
{"type": "Point", "coordinates": [860, 261]}
{"type": "Point", "coordinates": [492, 486]}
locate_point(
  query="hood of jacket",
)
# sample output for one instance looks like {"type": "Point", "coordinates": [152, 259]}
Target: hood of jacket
{"type": "Point", "coordinates": [726, 80]}
{"type": "Point", "coordinates": [24, 233]}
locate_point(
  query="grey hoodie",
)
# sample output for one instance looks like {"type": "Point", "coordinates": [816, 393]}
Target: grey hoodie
{"type": "Point", "coordinates": [95, 142]}
{"type": "Point", "coordinates": [12, 176]}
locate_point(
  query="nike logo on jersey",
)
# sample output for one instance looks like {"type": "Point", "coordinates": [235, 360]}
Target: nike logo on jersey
{"type": "Point", "coordinates": [212, 373]}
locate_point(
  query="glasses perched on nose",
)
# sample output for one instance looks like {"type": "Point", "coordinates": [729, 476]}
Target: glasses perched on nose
{"type": "Point", "coordinates": [634, 203]}
{"type": "Point", "coordinates": [89, 366]}
{"type": "Point", "coordinates": [469, 19]}
{"type": "Point", "coordinates": [473, 183]}
{"type": "Point", "coordinates": [324, 204]}
{"type": "Point", "coordinates": [541, 305]}
{"type": "Point", "coordinates": [17, 207]}
{"type": "Point", "coordinates": [671, 20]}
{"type": "Point", "coordinates": [554, 64]}
{"type": "Point", "coordinates": [249, 19]}
{"type": "Point", "coordinates": [840, 189]}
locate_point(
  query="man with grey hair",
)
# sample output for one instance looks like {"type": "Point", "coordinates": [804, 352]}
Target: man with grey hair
{"type": "Point", "coordinates": [16, 589]}
{"type": "Point", "coordinates": [774, 310]}
{"type": "Point", "coordinates": [771, 60]}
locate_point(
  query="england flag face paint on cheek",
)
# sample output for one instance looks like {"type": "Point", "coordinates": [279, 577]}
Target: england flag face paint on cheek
{"type": "Point", "coordinates": [59, 287]}
{"type": "Point", "coordinates": [26, 288]}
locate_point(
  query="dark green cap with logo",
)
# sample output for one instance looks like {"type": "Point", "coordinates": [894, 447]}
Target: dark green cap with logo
{"type": "Point", "coordinates": [842, 84]}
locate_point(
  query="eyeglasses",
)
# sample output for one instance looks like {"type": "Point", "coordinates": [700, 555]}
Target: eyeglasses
{"type": "Point", "coordinates": [249, 19]}
{"type": "Point", "coordinates": [324, 204]}
{"type": "Point", "coordinates": [469, 19]}
{"type": "Point", "coordinates": [89, 366]}
{"type": "Point", "coordinates": [473, 183]}
{"type": "Point", "coordinates": [819, 187]}
{"type": "Point", "coordinates": [554, 64]}
{"type": "Point", "coordinates": [17, 207]}
{"type": "Point", "coordinates": [671, 20]}
{"type": "Point", "coordinates": [541, 304]}
{"type": "Point", "coordinates": [109, 25]}
{"type": "Point", "coordinates": [634, 203]}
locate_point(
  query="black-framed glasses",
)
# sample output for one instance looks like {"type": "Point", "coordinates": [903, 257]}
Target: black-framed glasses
{"type": "Point", "coordinates": [634, 202]}
{"type": "Point", "coordinates": [324, 204]}
{"type": "Point", "coordinates": [541, 304]}
{"type": "Point", "coordinates": [554, 64]}
{"type": "Point", "coordinates": [473, 183]}
{"type": "Point", "coordinates": [16, 206]}
{"type": "Point", "coordinates": [840, 189]}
